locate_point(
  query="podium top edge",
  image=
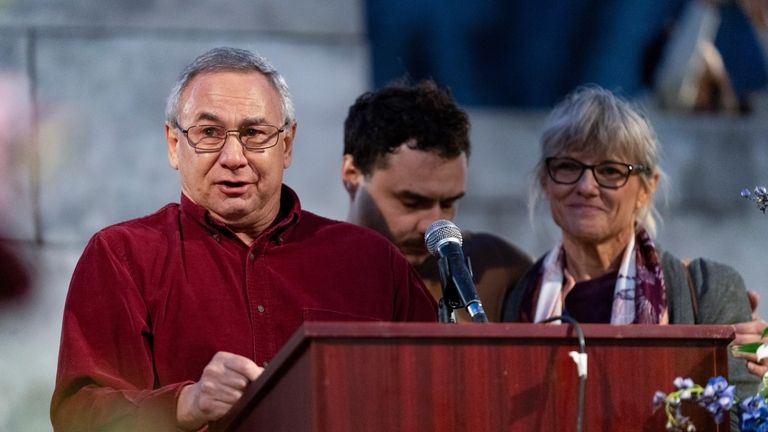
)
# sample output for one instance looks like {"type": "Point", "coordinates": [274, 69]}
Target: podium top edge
{"type": "Point", "coordinates": [722, 333]}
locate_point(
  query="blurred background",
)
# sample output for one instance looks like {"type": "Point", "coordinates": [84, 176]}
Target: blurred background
{"type": "Point", "coordinates": [83, 87]}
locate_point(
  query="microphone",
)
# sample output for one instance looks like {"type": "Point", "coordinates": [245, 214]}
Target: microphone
{"type": "Point", "coordinates": [443, 240]}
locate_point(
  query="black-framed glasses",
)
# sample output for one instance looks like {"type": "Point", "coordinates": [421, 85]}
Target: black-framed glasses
{"type": "Point", "coordinates": [211, 138]}
{"type": "Point", "coordinates": [608, 174]}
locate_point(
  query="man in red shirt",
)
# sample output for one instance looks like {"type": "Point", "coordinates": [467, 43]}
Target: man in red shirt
{"type": "Point", "coordinates": [170, 316]}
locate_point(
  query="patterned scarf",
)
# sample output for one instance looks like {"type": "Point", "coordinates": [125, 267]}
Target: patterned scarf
{"type": "Point", "coordinates": [640, 296]}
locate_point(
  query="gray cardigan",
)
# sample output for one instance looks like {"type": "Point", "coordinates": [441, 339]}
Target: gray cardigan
{"type": "Point", "coordinates": [720, 296]}
{"type": "Point", "coordinates": [722, 299]}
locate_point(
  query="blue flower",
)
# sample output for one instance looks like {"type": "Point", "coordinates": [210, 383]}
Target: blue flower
{"type": "Point", "coordinates": [759, 195]}
{"type": "Point", "coordinates": [717, 397]}
{"type": "Point", "coordinates": [754, 415]}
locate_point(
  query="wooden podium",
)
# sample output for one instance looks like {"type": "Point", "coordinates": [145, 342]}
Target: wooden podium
{"type": "Point", "coordinates": [339, 377]}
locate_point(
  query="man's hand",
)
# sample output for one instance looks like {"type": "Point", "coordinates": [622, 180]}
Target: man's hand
{"type": "Point", "coordinates": [220, 386]}
{"type": "Point", "coordinates": [749, 332]}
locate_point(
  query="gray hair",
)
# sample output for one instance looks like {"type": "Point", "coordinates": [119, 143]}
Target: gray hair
{"type": "Point", "coordinates": [596, 121]}
{"type": "Point", "coordinates": [228, 59]}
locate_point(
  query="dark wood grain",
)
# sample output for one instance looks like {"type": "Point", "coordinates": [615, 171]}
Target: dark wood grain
{"type": "Point", "coordinates": [338, 377]}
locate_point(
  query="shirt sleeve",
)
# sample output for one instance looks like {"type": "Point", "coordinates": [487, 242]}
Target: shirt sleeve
{"type": "Point", "coordinates": [105, 378]}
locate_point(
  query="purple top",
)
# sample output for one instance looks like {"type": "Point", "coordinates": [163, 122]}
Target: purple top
{"type": "Point", "coordinates": [591, 301]}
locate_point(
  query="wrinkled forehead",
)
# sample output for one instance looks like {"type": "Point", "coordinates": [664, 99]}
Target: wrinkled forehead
{"type": "Point", "coordinates": [213, 95]}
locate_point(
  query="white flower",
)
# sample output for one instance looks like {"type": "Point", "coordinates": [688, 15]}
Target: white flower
{"type": "Point", "coordinates": [762, 352]}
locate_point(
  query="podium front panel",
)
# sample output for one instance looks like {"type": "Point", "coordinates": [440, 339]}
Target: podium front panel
{"type": "Point", "coordinates": [338, 377]}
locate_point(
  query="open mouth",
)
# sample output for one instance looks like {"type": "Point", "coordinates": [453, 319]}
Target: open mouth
{"type": "Point", "coordinates": [232, 187]}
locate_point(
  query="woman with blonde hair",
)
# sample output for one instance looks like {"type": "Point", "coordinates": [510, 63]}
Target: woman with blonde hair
{"type": "Point", "coordinates": [599, 171]}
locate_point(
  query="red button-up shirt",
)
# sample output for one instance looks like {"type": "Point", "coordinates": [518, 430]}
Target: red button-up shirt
{"type": "Point", "coordinates": [153, 299]}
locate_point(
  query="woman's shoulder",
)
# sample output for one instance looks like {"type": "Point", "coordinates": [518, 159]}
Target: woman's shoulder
{"type": "Point", "coordinates": [720, 293]}
{"type": "Point", "coordinates": [700, 267]}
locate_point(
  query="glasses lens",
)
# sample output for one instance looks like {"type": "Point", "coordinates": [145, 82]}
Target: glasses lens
{"type": "Point", "coordinates": [206, 137]}
{"type": "Point", "coordinates": [259, 136]}
{"type": "Point", "coordinates": [611, 174]}
{"type": "Point", "coordinates": [565, 170]}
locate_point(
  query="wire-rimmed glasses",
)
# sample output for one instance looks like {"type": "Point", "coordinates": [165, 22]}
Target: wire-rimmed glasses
{"type": "Point", "coordinates": [608, 174]}
{"type": "Point", "coordinates": [211, 138]}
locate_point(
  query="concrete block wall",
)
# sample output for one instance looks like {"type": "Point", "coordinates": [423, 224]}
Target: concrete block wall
{"type": "Point", "coordinates": [96, 75]}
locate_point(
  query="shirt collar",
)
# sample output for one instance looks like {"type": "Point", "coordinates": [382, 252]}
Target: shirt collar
{"type": "Point", "coordinates": [288, 215]}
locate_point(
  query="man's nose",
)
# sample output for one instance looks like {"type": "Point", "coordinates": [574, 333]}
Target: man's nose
{"type": "Point", "coordinates": [233, 153]}
{"type": "Point", "coordinates": [430, 215]}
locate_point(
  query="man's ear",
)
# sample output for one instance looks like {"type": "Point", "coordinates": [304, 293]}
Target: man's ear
{"type": "Point", "coordinates": [288, 145]}
{"type": "Point", "coordinates": [351, 176]}
{"type": "Point", "coordinates": [173, 145]}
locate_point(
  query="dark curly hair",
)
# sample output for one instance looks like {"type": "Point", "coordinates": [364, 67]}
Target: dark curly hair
{"type": "Point", "coordinates": [382, 120]}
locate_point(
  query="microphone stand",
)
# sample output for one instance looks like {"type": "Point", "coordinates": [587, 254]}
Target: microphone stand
{"type": "Point", "coordinates": [444, 312]}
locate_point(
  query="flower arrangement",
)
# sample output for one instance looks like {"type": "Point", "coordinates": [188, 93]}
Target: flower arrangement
{"type": "Point", "coordinates": [717, 397]}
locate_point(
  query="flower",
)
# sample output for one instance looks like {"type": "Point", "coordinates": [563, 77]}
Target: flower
{"type": "Point", "coordinates": [717, 397]}
{"type": "Point", "coordinates": [754, 414]}
{"type": "Point", "coordinates": [759, 195]}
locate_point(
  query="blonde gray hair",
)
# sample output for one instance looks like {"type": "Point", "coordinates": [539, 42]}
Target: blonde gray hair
{"type": "Point", "coordinates": [595, 121]}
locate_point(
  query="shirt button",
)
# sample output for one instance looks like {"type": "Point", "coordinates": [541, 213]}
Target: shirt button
{"type": "Point", "coordinates": [266, 364]}
{"type": "Point", "coordinates": [251, 256]}
{"type": "Point", "coordinates": [260, 308]}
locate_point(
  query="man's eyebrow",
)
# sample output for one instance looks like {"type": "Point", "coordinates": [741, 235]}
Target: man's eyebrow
{"type": "Point", "coordinates": [454, 198]}
{"type": "Point", "coordinates": [207, 116]}
{"type": "Point", "coordinates": [406, 194]}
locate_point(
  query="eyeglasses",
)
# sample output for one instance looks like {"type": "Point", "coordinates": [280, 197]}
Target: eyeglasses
{"type": "Point", "coordinates": [608, 174]}
{"type": "Point", "coordinates": [211, 138]}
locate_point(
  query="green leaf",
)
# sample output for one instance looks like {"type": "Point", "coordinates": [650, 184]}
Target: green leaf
{"type": "Point", "coordinates": [747, 348]}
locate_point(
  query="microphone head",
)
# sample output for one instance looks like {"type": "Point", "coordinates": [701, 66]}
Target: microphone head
{"type": "Point", "coordinates": [439, 231]}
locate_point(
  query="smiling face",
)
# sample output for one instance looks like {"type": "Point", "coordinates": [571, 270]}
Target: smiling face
{"type": "Point", "coordinates": [239, 187]}
{"type": "Point", "coordinates": [590, 214]}
{"type": "Point", "coordinates": [403, 196]}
